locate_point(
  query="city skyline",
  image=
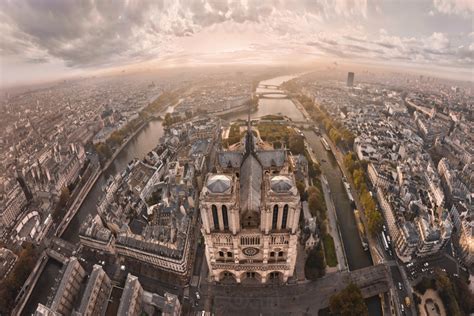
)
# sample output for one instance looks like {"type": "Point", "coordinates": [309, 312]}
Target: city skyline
{"type": "Point", "coordinates": [219, 157]}
{"type": "Point", "coordinates": [50, 40]}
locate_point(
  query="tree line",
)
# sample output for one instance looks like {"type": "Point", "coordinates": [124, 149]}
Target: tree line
{"type": "Point", "coordinates": [357, 169]}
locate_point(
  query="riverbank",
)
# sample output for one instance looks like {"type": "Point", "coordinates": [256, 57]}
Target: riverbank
{"type": "Point", "coordinates": [125, 143]}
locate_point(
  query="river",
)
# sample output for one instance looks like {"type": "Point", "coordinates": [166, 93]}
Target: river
{"type": "Point", "coordinates": [275, 103]}
{"type": "Point", "coordinates": [356, 256]}
{"type": "Point", "coordinates": [148, 138]}
{"type": "Point", "coordinates": [138, 147]}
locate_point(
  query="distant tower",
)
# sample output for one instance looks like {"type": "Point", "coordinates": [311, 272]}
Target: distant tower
{"type": "Point", "coordinates": [350, 79]}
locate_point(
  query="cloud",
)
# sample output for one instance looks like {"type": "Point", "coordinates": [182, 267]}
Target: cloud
{"type": "Point", "coordinates": [459, 7]}
{"type": "Point", "coordinates": [96, 33]}
{"type": "Point", "coordinates": [435, 48]}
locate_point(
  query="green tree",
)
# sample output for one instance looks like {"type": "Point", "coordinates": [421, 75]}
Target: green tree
{"type": "Point", "coordinates": [348, 302]}
{"type": "Point", "coordinates": [315, 266]}
{"type": "Point", "coordinates": [335, 136]}
{"type": "Point", "coordinates": [349, 161]}
{"type": "Point", "coordinates": [374, 221]}
{"type": "Point", "coordinates": [359, 178]}
{"type": "Point", "coordinates": [297, 144]}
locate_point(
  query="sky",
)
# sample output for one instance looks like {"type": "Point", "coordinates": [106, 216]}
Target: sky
{"type": "Point", "coordinates": [50, 39]}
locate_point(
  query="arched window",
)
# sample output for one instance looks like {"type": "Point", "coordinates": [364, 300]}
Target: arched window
{"type": "Point", "coordinates": [275, 217]}
{"type": "Point", "coordinates": [215, 217]}
{"type": "Point", "coordinates": [225, 219]}
{"type": "Point", "coordinates": [285, 217]}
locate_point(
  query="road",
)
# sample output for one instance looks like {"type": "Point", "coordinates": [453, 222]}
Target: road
{"type": "Point", "coordinates": [301, 299]}
{"type": "Point", "coordinates": [334, 227]}
{"type": "Point", "coordinates": [377, 251]}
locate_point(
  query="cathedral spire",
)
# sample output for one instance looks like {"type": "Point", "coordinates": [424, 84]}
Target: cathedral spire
{"type": "Point", "coordinates": [249, 144]}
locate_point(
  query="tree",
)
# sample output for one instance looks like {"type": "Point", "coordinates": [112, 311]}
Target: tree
{"type": "Point", "coordinates": [374, 221]}
{"type": "Point", "coordinates": [349, 161]}
{"type": "Point", "coordinates": [10, 286]}
{"type": "Point", "coordinates": [301, 188]}
{"type": "Point", "coordinates": [315, 266]}
{"type": "Point", "coordinates": [297, 144]}
{"type": "Point", "coordinates": [335, 136]}
{"type": "Point", "coordinates": [103, 150]}
{"type": "Point", "coordinates": [168, 120]}
{"type": "Point", "coordinates": [359, 178]}
{"type": "Point", "coordinates": [62, 202]}
{"type": "Point", "coordinates": [348, 302]}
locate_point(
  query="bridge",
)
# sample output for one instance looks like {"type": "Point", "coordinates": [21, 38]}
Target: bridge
{"type": "Point", "coordinates": [277, 94]}
{"type": "Point", "coordinates": [60, 250]}
{"type": "Point", "coordinates": [298, 299]}
{"type": "Point", "coordinates": [268, 86]}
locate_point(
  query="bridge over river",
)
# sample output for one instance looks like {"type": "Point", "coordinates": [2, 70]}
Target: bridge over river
{"type": "Point", "coordinates": [277, 94]}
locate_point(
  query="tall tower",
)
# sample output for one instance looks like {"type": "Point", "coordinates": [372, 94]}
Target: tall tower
{"type": "Point", "coordinates": [250, 215]}
{"type": "Point", "coordinates": [350, 79]}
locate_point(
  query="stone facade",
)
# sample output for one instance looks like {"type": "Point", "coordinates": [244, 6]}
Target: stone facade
{"type": "Point", "coordinates": [250, 211]}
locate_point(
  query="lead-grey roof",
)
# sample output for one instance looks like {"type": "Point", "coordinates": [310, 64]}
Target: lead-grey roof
{"type": "Point", "coordinates": [250, 184]}
{"type": "Point", "coordinates": [268, 158]}
{"type": "Point", "coordinates": [219, 183]}
{"type": "Point", "coordinates": [130, 287]}
{"type": "Point", "coordinates": [272, 158]}
{"type": "Point", "coordinates": [281, 184]}
{"type": "Point", "coordinates": [231, 159]}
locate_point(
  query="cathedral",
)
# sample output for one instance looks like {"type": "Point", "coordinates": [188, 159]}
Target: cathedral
{"type": "Point", "coordinates": [250, 209]}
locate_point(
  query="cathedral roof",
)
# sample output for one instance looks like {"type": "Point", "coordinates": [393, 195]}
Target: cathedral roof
{"type": "Point", "coordinates": [231, 159]}
{"type": "Point", "coordinates": [251, 174]}
{"type": "Point", "coordinates": [250, 184]}
{"type": "Point", "coordinates": [272, 158]}
{"type": "Point", "coordinates": [218, 183]}
{"type": "Point", "coordinates": [281, 184]}
{"type": "Point", "coordinates": [268, 158]}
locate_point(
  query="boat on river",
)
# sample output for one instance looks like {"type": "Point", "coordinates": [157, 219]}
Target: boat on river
{"type": "Point", "coordinates": [325, 144]}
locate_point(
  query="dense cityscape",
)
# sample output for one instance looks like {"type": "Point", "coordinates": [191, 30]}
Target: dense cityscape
{"type": "Point", "coordinates": [174, 225]}
{"type": "Point", "coordinates": [237, 159]}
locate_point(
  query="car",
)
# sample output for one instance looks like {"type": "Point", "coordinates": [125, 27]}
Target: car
{"type": "Point", "coordinates": [198, 297]}
{"type": "Point", "coordinates": [456, 275]}
{"type": "Point", "coordinates": [444, 270]}
{"type": "Point", "coordinates": [410, 265]}
{"type": "Point", "coordinates": [426, 264]}
{"type": "Point", "coordinates": [402, 308]}
{"type": "Point", "coordinates": [384, 228]}
{"type": "Point", "coordinates": [399, 286]}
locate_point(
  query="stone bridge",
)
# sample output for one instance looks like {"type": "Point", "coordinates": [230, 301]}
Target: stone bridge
{"type": "Point", "coordinates": [60, 249]}
{"type": "Point", "coordinates": [277, 94]}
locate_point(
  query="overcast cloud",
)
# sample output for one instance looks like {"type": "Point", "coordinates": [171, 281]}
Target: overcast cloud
{"type": "Point", "coordinates": [84, 35]}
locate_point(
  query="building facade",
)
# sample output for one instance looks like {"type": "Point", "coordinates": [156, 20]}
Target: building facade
{"type": "Point", "coordinates": [250, 211]}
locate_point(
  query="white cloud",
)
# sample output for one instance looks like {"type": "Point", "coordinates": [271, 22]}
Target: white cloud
{"type": "Point", "coordinates": [460, 7]}
{"type": "Point", "coordinates": [437, 41]}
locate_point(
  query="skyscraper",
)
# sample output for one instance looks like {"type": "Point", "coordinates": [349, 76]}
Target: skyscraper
{"type": "Point", "coordinates": [350, 79]}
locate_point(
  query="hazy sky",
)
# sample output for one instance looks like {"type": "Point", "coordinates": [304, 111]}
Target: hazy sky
{"type": "Point", "coordinates": [44, 39]}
